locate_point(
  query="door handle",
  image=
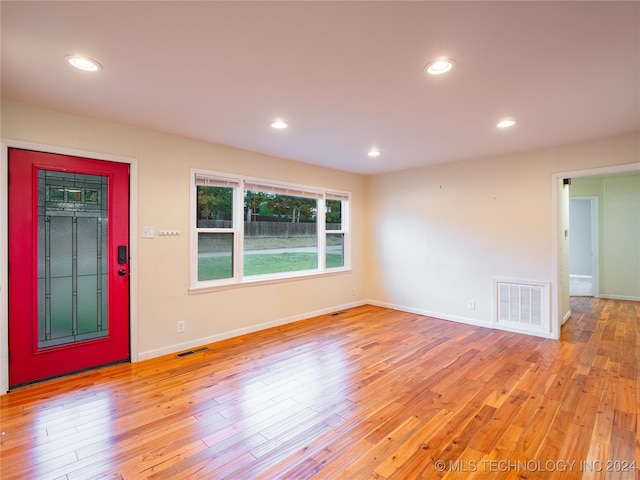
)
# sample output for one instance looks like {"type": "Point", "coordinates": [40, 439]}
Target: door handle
{"type": "Point", "coordinates": [122, 272]}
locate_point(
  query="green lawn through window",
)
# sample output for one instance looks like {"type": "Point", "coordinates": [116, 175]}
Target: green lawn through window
{"type": "Point", "coordinates": [213, 268]}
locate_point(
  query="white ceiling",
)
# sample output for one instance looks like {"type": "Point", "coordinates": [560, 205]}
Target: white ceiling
{"type": "Point", "coordinates": [347, 76]}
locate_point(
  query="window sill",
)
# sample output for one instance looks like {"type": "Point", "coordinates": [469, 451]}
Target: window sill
{"type": "Point", "coordinates": [267, 281]}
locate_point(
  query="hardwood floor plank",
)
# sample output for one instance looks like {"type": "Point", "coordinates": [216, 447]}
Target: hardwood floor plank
{"type": "Point", "coordinates": [362, 467]}
{"type": "Point", "coordinates": [369, 393]}
{"type": "Point", "coordinates": [484, 440]}
{"type": "Point", "coordinates": [414, 445]}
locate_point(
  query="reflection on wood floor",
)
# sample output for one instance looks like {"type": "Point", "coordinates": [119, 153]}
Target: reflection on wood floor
{"type": "Point", "coordinates": [370, 393]}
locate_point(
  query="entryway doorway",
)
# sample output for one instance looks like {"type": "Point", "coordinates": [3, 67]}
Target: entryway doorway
{"type": "Point", "coordinates": [68, 238]}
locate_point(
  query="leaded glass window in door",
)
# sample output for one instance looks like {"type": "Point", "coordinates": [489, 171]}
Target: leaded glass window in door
{"type": "Point", "coordinates": [72, 258]}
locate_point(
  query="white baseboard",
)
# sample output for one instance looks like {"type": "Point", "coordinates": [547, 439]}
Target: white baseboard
{"type": "Point", "coordinates": [198, 342]}
{"type": "Point", "coordinates": [454, 318]}
{"type": "Point", "coordinates": [621, 297]}
{"type": "Point", "coordinates": [438, 315]}
{"type": "Point", "coordinates": [566, 317]}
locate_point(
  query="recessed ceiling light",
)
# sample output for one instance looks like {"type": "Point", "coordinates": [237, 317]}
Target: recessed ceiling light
{"type": "Point", "coordinates": [84, 63]}
{"type": "Point", "coordinates": [374, 152]}
{"type": "Point", "coordinates": [506, 123]}
{"type": "Point", "coordinates": [439, 66]}
{"type": "Point", "coordinates": [279, 124]}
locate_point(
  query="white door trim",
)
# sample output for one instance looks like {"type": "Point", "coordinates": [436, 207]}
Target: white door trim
{"type": "Point", "coordinates": [5, 144]}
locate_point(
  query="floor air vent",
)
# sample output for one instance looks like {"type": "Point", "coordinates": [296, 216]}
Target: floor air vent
{"type": "Point", "coordinates": [522, 305]}
{"type": "Point", "coordinates": [191, 352]}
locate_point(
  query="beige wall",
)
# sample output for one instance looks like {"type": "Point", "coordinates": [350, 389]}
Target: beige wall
{"type": "Point", "coordinates": [619, 231]}
{"type": "Point", "coordinates": [440, 234]}
{"type": "Point", "coordinates": [163, 202]}
{"type": "Point", "coordinates": [429, 240]}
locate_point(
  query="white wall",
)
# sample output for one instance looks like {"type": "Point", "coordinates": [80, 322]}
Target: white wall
{"type": "Point", "coordinates": [440, 234]}
{"type": "Point", "coordinates": [619, 231]}
{"type": "Point", "coordinates": [164, 162]}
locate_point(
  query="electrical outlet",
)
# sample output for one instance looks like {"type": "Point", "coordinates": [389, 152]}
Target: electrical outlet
{"type": "Point", "coordinates": [181, 326]}
{"type": "Point", "coordinates": [471, 305]}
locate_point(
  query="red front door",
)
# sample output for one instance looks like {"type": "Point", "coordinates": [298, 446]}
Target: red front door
{"type": "Point", "coordinates": [68, 264]}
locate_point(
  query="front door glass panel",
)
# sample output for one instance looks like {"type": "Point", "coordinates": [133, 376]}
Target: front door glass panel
{"type": "Point", "coordinates": [72, 258]}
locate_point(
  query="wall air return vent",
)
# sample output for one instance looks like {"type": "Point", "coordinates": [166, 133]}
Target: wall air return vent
{"type": "Point", "coordinates": [522, 306]}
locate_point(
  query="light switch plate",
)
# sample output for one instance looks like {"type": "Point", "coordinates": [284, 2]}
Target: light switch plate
{"type": "Point", "coordinates": [148, 232]}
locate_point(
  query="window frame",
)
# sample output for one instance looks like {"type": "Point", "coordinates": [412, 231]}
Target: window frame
{"type": "Point", "coordinates": [345, 216]}
{"type": "Point", "coordinates": [239, 183]}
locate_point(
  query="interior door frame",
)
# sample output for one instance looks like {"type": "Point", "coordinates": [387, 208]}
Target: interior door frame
{"type": "Point", "coordinates": [5, 144]}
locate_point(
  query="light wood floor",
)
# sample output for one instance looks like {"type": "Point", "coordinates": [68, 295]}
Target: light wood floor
{"type": "Point", "coordinates": [370, 393]}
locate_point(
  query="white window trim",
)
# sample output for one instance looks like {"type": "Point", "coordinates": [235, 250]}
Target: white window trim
{"type": "Point", "coordinates": [346, 225]}
{"type": "Point", "coordinates": [241, 183]}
